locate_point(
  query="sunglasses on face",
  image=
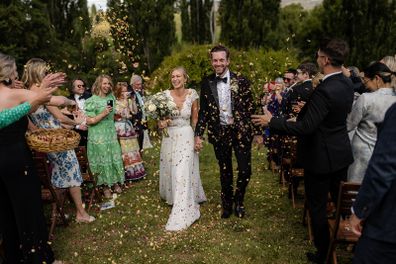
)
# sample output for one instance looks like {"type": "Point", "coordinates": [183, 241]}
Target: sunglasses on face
{"type": "Point", "coordinates": [81, 85]}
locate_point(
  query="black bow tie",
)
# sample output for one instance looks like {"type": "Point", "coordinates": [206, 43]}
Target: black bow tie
{"type": "Point", "coordinates": [81, 97]}
{"type": "Point", "coordinates": [219, 79]}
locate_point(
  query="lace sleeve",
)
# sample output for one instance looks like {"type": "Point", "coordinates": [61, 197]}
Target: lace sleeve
{"type": "Point", "coordinates": [194, 95]}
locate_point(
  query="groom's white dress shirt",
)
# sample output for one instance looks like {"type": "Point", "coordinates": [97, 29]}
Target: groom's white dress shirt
{"type": "Point", "coordinates": [224, 92]}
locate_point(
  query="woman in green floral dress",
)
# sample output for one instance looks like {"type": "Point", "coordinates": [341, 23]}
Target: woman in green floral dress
{"type": "Point", "coordinates": [104, 151]}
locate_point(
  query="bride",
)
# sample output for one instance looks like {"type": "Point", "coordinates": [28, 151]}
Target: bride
{"type": "Point", "coordinates": [180, 182]}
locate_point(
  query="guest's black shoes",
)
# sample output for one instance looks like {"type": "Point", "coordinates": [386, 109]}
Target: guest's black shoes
{"type": "Point", "coordinates": [315, 258]}
{"type": "Point", "coordinates": [239, 210]}
{"type": "Point", "coordinates": [226, 213]}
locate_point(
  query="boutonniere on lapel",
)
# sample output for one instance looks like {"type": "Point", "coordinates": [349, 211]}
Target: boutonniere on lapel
{"type": "Point", "coordinates": [234, 85]}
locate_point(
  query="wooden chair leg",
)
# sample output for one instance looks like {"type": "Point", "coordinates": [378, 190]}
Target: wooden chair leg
{"type": "Point", "coordinates": [291, 186]}
{"type": "Point", "coordinates": [53, 221]}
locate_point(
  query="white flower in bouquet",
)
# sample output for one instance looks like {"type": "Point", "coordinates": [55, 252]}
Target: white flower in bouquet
{"type": "Point", "coordinates": [151, 107]}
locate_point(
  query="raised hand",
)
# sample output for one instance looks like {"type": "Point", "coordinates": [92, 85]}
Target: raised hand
{"type": "Point", "coordinates": [41, 96]}
{"type": "Point", "coordinates": [262, 120]}
{"type": "Point", "coordinates": [53, 79]}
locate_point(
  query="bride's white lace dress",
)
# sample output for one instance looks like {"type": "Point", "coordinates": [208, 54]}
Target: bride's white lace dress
{"type": "Point", "coordinates": [180, 182]}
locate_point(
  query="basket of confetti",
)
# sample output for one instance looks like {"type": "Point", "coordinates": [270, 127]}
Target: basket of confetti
{"type": "Point", "coordinates": [52, 140]}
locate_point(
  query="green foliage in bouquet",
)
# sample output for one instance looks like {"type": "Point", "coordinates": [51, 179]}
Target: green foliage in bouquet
{"type": "Point", "coordinates": [258, 65]}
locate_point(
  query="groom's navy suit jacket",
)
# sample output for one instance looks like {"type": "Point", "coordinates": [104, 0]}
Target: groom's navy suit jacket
{"type": "Point", "coordinates": [242, 109]}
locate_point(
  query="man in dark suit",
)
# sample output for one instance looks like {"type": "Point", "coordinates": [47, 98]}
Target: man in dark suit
{"type": "Point", "coordinates": [79, 94]}
{"type": "Point", "coordinates": [323, 144]}
{"type": "Point", "coordinates": [226, 105]}
{"type": "Point", "coordinates": [139, 119]}
{"type": "Point", "coordinates": [300, 93]}
{"type": "Point", "coordinates": [376, 201]}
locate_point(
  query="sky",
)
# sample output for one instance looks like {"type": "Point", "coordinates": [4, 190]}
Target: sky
{"type": "Point", "coordinates": [100, 4]}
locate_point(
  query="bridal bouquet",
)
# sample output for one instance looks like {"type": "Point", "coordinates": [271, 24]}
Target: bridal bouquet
{"type": "Point", "coordinates": [160, 107]}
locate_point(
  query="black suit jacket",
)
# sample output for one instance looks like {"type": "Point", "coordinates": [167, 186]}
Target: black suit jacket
{"type": "Point", "coordinates": [85, 95]}
{"type": "Point", "coordinates": [242, 109]}
{"type": "Point", "coordinates": [376, 201]}
{"type": "Point", "coordinates": [324, 146]}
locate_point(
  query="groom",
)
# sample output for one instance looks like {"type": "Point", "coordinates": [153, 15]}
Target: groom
{"type": "Point", "coordinates": [226, 105]}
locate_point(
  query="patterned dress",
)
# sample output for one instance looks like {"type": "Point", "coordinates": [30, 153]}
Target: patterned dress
{"type": "Point", "coordinates": [65, 168]}
{"type": "Point", "coordinates": [104, 151]}
{"type": "Point", "coordinates": [133, 164]}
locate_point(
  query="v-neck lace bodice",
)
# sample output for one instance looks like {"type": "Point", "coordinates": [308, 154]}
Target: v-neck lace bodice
{"type": "Point", "coordinates": [184, 116]}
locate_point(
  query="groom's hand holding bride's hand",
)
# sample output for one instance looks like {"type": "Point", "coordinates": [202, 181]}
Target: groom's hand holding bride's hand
{"type": "Point", "coordinates": [262, 120]}
{"type": "Point", "coordinates": [198, 144]}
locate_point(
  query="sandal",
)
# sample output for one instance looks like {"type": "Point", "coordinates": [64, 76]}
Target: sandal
{"type": "Point", "coordinates": [84, 220]}
{"type": "Point", "coordinates": [107, 193]}
{"type": "Point", "coordinates": [117, 188]}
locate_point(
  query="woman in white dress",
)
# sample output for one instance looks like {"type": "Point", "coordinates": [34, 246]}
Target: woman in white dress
{"type": "Point", "coordinates": [180, 182]}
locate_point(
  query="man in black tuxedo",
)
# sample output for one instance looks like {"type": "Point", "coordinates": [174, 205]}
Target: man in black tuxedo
{"type": "Point", "coordinates": [323, 143]}
{"type": "Point", "coordinates": [79, 94]}
{"type": "Point", "coordinates": [226, 105]}
{"type": "Point", "coordinates": [375, 203]}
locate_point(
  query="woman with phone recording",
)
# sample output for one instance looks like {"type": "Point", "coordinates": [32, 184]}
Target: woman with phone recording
{"type": "Point", "coordinates": [104, 151]}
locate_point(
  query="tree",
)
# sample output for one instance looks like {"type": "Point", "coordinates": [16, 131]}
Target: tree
{"type": "Point", "coordinates": [368, 27]}
{"type": "Point", "coordinates": [27, 31]}
{"type": "Point", "coordinates": [152, 24]}
{"type": "Point", "coordinates": [291, 21]}
{"type": "Point", "coordinates": [246, 24]}
{"type": "Point", "coordinates": [196, 18]}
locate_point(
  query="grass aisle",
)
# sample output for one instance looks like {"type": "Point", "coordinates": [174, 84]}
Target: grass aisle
{"type": "Point", "coordinates": [133, 231]}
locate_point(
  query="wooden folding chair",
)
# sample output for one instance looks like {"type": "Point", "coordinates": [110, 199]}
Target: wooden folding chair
{"type": "Point", "coordinates": [49, 194]}
{"type": "Point", "coordinates": [340, 231]}
{"type": "Point", "coordinates": [290, 173]}
{"type": "Point", "coordinates": [89, 186]}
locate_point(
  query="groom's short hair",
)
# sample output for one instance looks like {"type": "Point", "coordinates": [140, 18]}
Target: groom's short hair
{"type": "Point", "coordinates": [218, 48]}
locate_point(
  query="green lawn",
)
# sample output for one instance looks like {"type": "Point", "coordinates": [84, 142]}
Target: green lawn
{"type": "Point", "coordinates": [133, 232]}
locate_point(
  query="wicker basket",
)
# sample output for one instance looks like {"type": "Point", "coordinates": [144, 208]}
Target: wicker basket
{"type": "Point", "coordinates": [52, 140]}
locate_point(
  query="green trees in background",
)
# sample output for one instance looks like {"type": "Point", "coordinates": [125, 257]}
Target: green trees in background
{"type": "Point", "coordinates": [26, 31]}
{"type": "Point", "coordinates": [197, 17]}
{"type": "Point", "coordinates": [368, 26]}
{"type": "Point", "coordinates": [150, 23]}
{"type": "Point", "coordinates": [247, 24]}
{"type": "Point", "coordinates": [135, 36]}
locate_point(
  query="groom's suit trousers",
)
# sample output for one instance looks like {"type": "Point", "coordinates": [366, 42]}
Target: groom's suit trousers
{"type": "Point", "coordinates": [223, 151]}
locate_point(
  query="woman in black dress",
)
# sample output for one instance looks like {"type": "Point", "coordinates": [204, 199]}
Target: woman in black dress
{"type": "Point", "coordinates": [22, 220]}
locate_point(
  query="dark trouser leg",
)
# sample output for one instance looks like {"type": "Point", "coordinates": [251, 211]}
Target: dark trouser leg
{"type": "Point", "coordinates": [243, 155]}
{"type": "Point", "coordinates": [25, 235]}
{"type": "Point", "coordinates": [140, 138]}
{"type": "Point", "coordinates": [336, 179]}
{"type": "Point", "coordinates": [316, 190]}
{"type": "Point", "coordinates": [223, 153]}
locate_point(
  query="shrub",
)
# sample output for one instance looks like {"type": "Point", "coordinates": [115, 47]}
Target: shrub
{"type": "Point", "coordinates": [259, 66]}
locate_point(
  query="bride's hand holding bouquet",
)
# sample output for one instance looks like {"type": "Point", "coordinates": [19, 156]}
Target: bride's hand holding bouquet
{"type": "Point", "coordinates": [160, 107]}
